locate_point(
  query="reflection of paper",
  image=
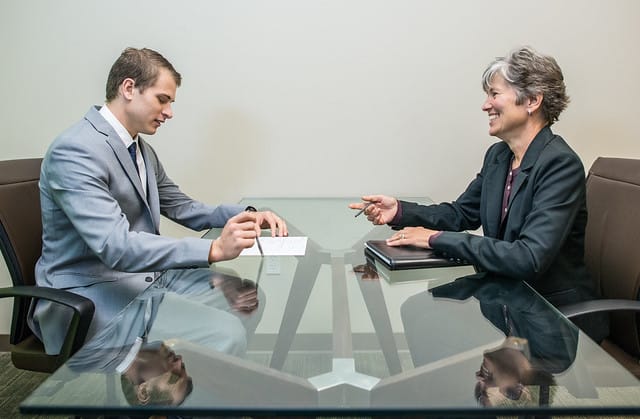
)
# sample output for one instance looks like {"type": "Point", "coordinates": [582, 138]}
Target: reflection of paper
{"type": "Point", "coordinates": [278, 246]}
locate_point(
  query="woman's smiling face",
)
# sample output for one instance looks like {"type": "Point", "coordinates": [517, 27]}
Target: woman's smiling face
{"type": "Point", "coordinates": [506, 118]}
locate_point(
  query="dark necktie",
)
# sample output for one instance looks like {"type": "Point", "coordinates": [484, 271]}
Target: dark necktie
{"type": "Point", "coordinates": [132, 152]}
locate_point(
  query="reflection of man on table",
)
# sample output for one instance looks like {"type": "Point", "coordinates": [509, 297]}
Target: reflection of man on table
{"type": "Point", "coordinates": [212, 310]}
{"type": "Point", "coordinates": [217, 310]}
{"type": "Point", "coordinates": [156, 376]}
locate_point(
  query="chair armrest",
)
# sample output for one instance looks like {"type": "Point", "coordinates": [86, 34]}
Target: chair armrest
{"type": "Point", "coordinates": [594, 306]}
{"type": "Point", "coordinates": [83, 307]}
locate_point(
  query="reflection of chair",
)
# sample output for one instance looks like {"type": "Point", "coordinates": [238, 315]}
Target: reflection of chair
{"type": "Point", "coordinates": [21, 244]}
{"type": "Point", "coordinates": [612, 254]}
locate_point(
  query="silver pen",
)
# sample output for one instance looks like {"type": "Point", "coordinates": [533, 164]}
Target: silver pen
{"type": "Point", "coordinates": [364, 208]}
{"type": "Point", "coordinates": [259, 246]}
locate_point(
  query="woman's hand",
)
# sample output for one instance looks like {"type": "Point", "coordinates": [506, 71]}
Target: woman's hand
{"type": "Point", "coordinates": [414, 236]}
{"type": "Point", "coordinates": [379, 209]}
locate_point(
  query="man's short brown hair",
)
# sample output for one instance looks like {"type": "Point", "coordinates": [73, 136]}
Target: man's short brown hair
{"type": "Point", "coordinates": [141, 65]}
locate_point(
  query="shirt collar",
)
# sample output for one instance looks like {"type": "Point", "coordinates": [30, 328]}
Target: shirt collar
{"type": "Point", "coordinates": [117, 126]}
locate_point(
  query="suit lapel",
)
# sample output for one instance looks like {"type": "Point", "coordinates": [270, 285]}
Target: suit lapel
{"type": "Point", "coordinates": [153, 199]}
{"type": "Point", "coordinates": [122, 154]}
{"type": "Point", "coordinates": [496, 176]}
{"type": "Point", "coordinates": [530, 157]}
{"type": "Point", "coordinates": [116, 144]}
{"type": "Point", "coordinates": [521, 179]}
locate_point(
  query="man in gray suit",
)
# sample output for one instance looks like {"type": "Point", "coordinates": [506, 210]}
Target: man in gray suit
{"type": "Point", "coordinates": [102, 190]}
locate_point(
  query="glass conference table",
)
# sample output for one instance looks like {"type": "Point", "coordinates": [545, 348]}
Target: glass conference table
{"type": "Point", "coordinates": [332, 334]}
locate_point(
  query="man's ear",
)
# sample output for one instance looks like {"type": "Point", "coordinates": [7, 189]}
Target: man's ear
{"type": "Point", "coordinates": [126, 88]}
{"type": "Point", "coordinates": [142, 392]}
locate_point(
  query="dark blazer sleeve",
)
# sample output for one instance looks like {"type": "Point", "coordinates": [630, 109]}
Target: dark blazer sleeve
{"type": "Point", "coordinates": [462, 214]}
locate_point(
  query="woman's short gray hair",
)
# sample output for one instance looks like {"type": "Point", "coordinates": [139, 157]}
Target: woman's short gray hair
{"type": "Point", "coordinates": [531, 73]}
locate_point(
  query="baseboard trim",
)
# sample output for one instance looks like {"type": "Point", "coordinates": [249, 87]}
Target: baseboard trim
{"type": "Point", "coordinates": [4, 343]}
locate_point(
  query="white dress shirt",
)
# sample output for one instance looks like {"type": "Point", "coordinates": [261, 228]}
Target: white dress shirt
{"type": "Point", "coordinates": [127, 140]}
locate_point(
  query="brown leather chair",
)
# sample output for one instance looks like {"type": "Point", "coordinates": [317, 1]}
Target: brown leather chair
{"type": "Point", "coordinates": [612, 254]}
{"type": "Point", "coordinates": [21, 245]}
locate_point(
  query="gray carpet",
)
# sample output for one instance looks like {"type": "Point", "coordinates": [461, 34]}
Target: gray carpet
{"type": "Point", "coordinates": [15, 386]}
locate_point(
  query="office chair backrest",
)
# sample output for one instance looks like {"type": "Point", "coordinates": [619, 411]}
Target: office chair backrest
{"type": "Point", "coordinates": [20, 228]}
{"type": "Point", "coordinates": [612, 242]}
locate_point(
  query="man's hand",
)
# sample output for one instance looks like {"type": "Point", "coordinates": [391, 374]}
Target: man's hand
{"type": "Point", "coordinates": [241, 294]}
{"type": "Point", "coordinates": [239, 233]}
{"type": "Point", "coordinates": [267, 219]}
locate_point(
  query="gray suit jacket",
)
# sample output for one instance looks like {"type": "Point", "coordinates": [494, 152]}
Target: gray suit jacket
{"type": "Point", "coordinates": [101, 234]}
{"type": "Point", "coordinates": [542, 238]}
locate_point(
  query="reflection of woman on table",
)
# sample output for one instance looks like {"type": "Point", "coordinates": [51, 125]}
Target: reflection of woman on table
{"type": "Point", "coordinates": [507, 377]}
{"type": "Point", "coordinates": [529, 197]}
{"type": "Point", "coordinates": [538, 342]}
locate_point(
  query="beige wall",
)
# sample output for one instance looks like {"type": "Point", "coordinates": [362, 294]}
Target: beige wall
{"type": "Point", "coordinates": [318, 97]}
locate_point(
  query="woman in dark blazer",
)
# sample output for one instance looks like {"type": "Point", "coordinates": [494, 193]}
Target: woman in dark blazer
{"type": "Point", "coordinates": [529, 197]}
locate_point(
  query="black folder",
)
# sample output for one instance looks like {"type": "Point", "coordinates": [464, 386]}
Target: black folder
{"type": "Point", "coordinates": [409, 257]}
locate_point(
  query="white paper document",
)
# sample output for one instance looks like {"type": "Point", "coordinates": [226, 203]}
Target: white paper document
{"type": "Point", "coordinates": [278, 246]}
